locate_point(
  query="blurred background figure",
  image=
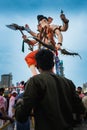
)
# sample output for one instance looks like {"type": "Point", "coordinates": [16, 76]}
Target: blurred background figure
{"type": "Point", "coordinates": [21, 87]}
{"type": "Point", "coordinates": [25, 125]}
{"type": "Point", "coordinates": [3, 109]}
{"type": "Point", "coordinates": [12, 103]}
{"type": "Point", "coordinates": [80, 92]}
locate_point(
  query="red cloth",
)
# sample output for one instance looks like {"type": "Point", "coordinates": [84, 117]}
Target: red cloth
{"type": "Point", "coordinates": [30, 58]}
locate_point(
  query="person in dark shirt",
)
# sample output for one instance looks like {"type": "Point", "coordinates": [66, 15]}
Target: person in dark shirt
{"type": "Point", "coordinates": [19, 125]}
{"type": "Point", "coordinates": [53, 98]}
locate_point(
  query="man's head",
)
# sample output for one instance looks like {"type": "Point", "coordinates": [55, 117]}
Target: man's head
{"type": "Point", "coordinates": [2, 91]}
{"type": "Point", "coordinates": [14, 93]}
{"type": "Point", "coordinates": [79, 89]}
{"type": "Point", "coordinates": [22, 82]}
{"type": "Point", "coordinates": [45, 60]}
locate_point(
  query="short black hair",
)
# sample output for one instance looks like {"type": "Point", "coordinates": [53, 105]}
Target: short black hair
{"type": "Point", "coordinates": [80, 88]}
{"type": "Point", "coordinates": [45, 59]}
{"type": "Point", "coordinates": [22, 82]}
{"type": "Point", "coordinates": [2, 89]}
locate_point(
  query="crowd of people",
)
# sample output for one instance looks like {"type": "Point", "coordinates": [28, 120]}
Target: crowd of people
{"type": "Point", "coordinates": [7, 103]}
{"type": "Point", "coordinates": [4, 116]}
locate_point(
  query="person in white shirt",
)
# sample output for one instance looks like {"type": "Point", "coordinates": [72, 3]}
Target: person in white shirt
{"type": "Point", "coordinates": [12, 103]}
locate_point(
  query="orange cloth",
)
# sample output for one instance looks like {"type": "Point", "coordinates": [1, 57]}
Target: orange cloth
{"type": "Point", "coordinates": [30, 58]}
